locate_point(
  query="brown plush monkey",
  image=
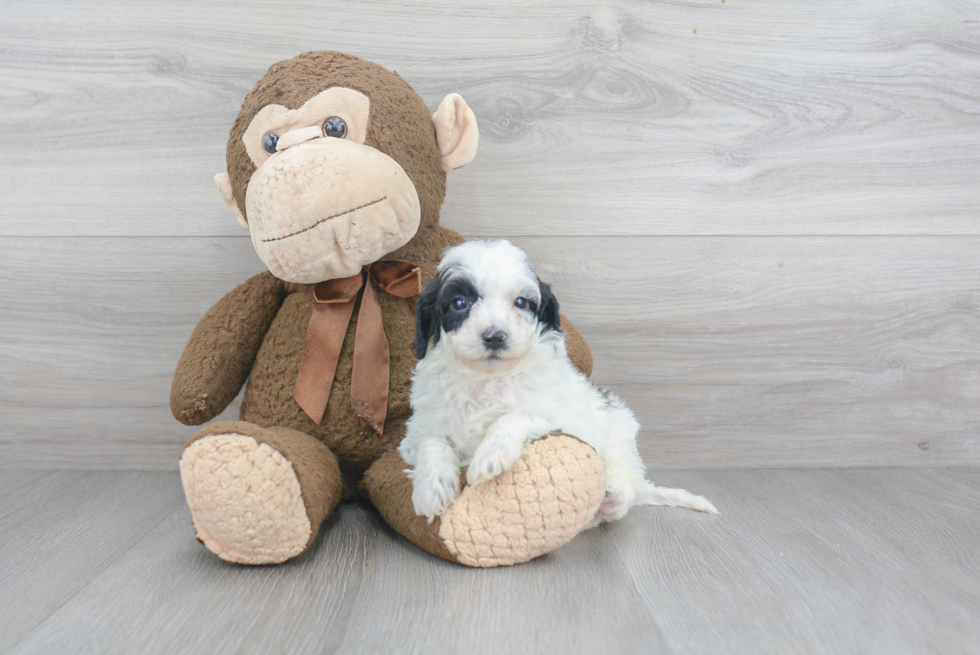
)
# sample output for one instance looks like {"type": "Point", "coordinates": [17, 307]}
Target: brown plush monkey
{"type": "Point", "coordinates": [338, 171]}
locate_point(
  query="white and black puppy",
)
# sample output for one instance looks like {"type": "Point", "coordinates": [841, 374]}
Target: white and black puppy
{"type": "Point", "coordinates": [494, 375]}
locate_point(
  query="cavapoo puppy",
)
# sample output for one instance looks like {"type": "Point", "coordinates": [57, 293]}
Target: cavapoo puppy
{"type": "Point", "coordinates": [494, 375]}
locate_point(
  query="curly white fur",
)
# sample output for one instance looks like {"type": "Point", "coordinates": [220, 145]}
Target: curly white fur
{"type": "Point", "coordinates": [496, 375]}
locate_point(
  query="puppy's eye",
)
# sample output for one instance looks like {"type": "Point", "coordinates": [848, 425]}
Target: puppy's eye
{"type": "Point", "coordinates": [460, 304]}
{"type": "Point", "coordinates": [521, 303]}
{"type": "Point", "coordinates": [269, 142]}
{"type": "Point", "coordinates": [335, 127]}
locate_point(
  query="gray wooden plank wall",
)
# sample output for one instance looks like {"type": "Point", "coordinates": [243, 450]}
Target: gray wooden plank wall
{"type": "Point", "coordinates": [763, 215]}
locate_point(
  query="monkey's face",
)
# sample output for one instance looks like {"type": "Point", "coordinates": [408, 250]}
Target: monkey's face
{"type": "Point", "coordinates": [321, 204]}
{"type": "Point", "coordinates": [334, 162]}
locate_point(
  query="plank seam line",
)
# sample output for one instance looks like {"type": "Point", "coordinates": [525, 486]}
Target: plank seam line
{"type": "Point", "coordinates": [108, 565]}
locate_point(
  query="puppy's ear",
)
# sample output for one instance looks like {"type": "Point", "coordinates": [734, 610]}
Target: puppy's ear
{"type": "Point", "coordinates": [427, 317]}
{"type": "Point", "coordinates": [548, 309]}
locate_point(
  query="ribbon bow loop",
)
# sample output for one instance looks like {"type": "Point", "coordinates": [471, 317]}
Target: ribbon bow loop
{"type": "Point", "coordinates": [338, 291]}
{"type": "Point", "coordinates": [399, 279]}
{"type": "Point", "coordinates": [333, 307]}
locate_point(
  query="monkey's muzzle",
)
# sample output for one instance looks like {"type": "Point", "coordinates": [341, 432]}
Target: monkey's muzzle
{"type": "Point", "coordinates": [322, 209]}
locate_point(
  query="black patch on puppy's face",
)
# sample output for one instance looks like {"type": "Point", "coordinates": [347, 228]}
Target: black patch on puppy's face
{"type": "Point", "coordinates": [456, 300]}
{"type": "Point", "coordinates": [547, 311]}
{"type": "Point", "coordinates": [444, 304]}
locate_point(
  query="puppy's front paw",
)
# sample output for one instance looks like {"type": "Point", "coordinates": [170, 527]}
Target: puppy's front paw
{"type": "Point", "coordinates": [433, 492]}
{"type": "Point", "coordinates": [493, 457]}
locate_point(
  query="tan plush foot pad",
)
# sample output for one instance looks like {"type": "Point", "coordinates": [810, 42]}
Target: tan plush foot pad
{"type": "Point", "coordinates": [245, 500]}
{"type": "Point", "coordinates": [553, 492]}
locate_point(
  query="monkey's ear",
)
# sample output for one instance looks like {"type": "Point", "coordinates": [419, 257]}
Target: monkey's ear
{"type": "Point", "coordinates": [456, 132]}
{"type": "Point", "coordinates": [224, 186]}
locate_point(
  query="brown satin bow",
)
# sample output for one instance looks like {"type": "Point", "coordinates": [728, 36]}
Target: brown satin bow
{"type": "Point", "coordinates": [334, 305]}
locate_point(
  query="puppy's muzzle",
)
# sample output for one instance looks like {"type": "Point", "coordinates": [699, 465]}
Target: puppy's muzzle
{"type": "Point", "coordinates": [494, 340]}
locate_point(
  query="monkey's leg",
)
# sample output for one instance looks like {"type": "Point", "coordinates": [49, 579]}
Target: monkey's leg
{"type": "Point", "coordinates": [549, 497]}
{"type": "Point", "coordinates": [258, 495]}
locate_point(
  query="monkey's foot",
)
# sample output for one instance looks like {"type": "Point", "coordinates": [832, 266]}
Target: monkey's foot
{"type": "Point", "coordinates": [257, 496]}
{"type": "Point", "coordinates": [549, 496]}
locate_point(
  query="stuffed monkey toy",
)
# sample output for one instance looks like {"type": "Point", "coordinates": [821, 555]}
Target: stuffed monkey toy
{"type": "Point", "coordinates": [338, 171]}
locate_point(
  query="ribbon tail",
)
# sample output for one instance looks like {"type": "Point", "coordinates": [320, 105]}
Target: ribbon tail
{"type": "Point", "coordinates": [321, 351]}
{"type": "Point", "coordinates": [369, 379]}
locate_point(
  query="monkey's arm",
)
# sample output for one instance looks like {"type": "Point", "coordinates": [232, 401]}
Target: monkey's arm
{"type": "Point", "coordinates": [578, 350]}
{"type": "Point", "coordinates": [220, 353]}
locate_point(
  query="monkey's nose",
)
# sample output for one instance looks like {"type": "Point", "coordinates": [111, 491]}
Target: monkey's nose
{"type": "Point", "coordinates": [295, 137]}
{"type": "Point", "coordinates": [494, 339]}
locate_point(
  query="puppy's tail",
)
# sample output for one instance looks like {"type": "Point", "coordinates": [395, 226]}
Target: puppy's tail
{"type": "Point", "coordinates": [655, 495]}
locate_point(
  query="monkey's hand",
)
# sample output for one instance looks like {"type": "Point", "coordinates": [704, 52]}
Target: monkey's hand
{"type": "Point", "coordinates": [221, 351]}
{"type": "Point", "coordinates": [578, 350]}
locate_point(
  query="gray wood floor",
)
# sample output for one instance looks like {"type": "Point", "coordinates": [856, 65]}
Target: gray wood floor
{"type": "Point", "coordinates": [800, 561]}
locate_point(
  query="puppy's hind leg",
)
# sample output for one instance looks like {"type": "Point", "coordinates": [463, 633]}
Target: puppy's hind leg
{"type": "Point", "coordinates": [626, 483]}
{"type": "Point", "coordinates": [625, 474]}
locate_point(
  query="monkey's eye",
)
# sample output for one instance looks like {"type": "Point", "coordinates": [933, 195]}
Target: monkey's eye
{"type": "Point", "coordinates": [335, 127]}
{"type": "Point", "coordinates": [521, 303]}
{"type": "Point", "coordinates": [460, 304]}
{"type": "Point", "coordinates": [269, 142]}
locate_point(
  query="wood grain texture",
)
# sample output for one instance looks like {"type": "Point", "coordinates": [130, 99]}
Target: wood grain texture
{"type": "Point", "coordinates": [836, 117]}
{"type": "Point", "coordinates": [91, 332]}
{"type": "Point", "coordinates": [767, 229]}
{"type": "Point", "coordinates": [746, 351]}
{"type": "Point", "coordinates": [817, 561]}
{"type": "Point", "coordinates": [59, 531]}
{"type": "Point", "coordinates": [733, 352]}
{"type": "Point", "coordinates": [805, 558]}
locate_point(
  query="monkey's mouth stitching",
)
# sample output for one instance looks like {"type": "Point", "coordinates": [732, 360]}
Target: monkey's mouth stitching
{"type": "Point", "coordinates": [324, 220]}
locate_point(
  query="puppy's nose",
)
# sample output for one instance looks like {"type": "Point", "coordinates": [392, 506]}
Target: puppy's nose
{"type": "Point", "coordinates": [494, 339]}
